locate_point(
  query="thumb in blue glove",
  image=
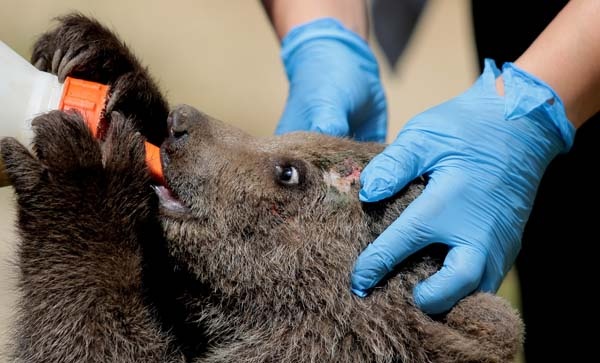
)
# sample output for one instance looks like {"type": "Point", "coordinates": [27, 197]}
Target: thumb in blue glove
{"type": "Point", "coordinates": [334, 83]}
{"type": "Point", "coordinates": [484, 155]}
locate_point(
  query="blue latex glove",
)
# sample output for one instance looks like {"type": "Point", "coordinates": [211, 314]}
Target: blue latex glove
{"type": "Point", "coordinates": [334, 83]}
{"type": "Point", "coordinates": [484, 155]}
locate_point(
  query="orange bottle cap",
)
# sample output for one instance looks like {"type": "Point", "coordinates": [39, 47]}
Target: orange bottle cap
{"type": "Point", "coordinates": [89, 99]}
{"type": "Point", "coordinates": [153, 162]}
{"type": "Point", "coordinates": [86, 97]}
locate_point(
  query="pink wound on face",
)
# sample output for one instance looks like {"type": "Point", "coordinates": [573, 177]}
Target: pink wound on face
{"type": "Point", "coordinates": [343, 176]}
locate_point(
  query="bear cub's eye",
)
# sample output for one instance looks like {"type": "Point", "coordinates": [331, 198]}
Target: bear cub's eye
{"type": "Point", "coordinates": [287, 175]}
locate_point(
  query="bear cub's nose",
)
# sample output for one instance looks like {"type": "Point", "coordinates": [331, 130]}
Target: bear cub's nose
{"type": "Point", "coordinates": [182, 122]}
{"type": "Point", "coordinates": [179, 121]}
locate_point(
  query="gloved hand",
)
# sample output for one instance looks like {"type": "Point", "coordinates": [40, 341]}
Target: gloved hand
{"type": "Point", "coordinates": [484, 155]}
{"type": "Point", "coordinates": [334, 83]}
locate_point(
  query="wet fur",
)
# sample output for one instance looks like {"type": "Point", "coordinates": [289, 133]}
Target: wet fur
{"type": "Point", "coordinates": [251, 270]}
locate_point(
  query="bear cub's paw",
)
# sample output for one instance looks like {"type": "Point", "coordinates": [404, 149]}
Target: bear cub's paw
{"type": "Point", "coordinates": [68, 164]}
{"type": "Point", "coordinates": [82, 48]}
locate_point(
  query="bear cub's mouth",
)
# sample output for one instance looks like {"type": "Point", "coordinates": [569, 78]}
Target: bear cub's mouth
{"type": "Point", "coordinates": [169, 200]}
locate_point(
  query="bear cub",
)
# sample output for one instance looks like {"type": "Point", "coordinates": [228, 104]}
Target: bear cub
{"type": "Point", "coordinates": [244, 255]}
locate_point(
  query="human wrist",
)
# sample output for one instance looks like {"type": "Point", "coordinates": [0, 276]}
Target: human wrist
{"type": "Point", "coordinates": [328, 31]}
{"type": "Point", "coordinates": [565, 55]}
{"type": "Point", "coordinates": [578, 95]}
{"type": "Point", "coordinates": [288, 14]}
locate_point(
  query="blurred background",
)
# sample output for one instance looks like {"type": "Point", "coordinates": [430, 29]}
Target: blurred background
{"type": "Point", "coordinates": [223, 58]}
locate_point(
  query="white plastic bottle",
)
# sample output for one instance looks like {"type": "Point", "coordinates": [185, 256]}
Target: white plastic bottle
{"type": "Point", "coordinates": [26, 92]}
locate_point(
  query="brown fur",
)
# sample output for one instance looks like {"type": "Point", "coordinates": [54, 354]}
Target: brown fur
{"type": "Point", "coordinates": [250, 269]}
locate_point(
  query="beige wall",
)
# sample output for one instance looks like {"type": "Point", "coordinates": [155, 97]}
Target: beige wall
{"type": "Point", "coordinates": [222, 57]}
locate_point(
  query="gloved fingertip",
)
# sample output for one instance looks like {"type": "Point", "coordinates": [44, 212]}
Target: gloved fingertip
{"type": "Point", "coordinates": [332, 129]}
{"type": "Point", "coordinates": [418, 297]}
{"type": "Point", "coordinates": [366, 274]}
{"type": "Point", "coordinates": [427, 301]}
{"type": "Point", "coordinates": [359, 293]}
{"type": "Point", "coordinates": [369, 138]}
{"type": "Point", "coordinates": [374, 190]}
{"type": "Point", "coordinates": [362, 281]}
{"type": "Point", "coordinates": [363, 197]}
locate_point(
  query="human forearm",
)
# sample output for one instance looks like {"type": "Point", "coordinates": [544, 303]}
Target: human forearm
{"type": "Point", "coordinates": [286, 14]}
{"type": "Point", "coordinates": [567, 57]}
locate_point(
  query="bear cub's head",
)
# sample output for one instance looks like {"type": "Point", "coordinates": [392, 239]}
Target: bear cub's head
{"type": "Point", "coordinates": [267, 216]}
